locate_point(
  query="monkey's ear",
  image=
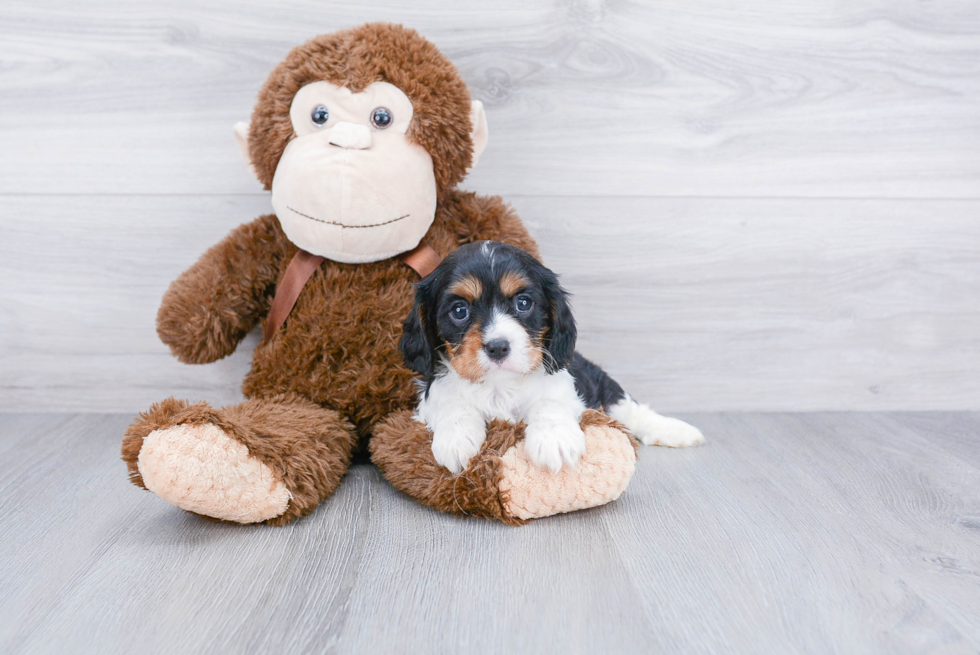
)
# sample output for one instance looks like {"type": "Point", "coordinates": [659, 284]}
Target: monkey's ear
{"type": "Point", "coordinates": [480, 134]}
{"type": "Point", "coordinates": [241, 139]}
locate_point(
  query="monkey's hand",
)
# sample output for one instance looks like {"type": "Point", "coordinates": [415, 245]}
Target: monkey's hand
{"type": "Point", "coordinates": [210, 308]}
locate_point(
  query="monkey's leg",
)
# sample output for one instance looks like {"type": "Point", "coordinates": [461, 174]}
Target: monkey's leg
{"type": "Point", "coordinates": [500, 482]}
{"type": "Point", "coordinates": [267, 459]}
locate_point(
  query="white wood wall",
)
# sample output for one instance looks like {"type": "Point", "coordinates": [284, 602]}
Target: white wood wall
{"type": "Point", "coordinates": [758, 205]}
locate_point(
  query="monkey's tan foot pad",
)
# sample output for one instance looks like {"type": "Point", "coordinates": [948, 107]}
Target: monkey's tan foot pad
{"type": "Point", "coordinates": [199, 468]}
{"type": "Point", "coordinates": [267, 459]}
{"type": "Point", "coordinates": [530, 491]}
{"type": "Point", "coordinates": [178, 451]}
{"type": "Point", "coordinates": [501, 482]}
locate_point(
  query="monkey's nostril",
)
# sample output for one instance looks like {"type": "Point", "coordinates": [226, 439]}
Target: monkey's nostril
{"type": "Point", "coordinates": [497, 349]}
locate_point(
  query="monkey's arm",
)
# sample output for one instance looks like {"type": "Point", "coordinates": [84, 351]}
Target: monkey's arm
{"type": "Point", "coordinates": [490, 218]}
{"type": "Point", "coordinates": [210, 308]}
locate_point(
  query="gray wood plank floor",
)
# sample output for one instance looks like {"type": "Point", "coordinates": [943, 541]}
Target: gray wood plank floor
{"type": "Point", "coordinates": [814, 533]}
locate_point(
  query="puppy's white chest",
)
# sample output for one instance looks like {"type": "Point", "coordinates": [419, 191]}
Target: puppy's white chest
{"type": "Point", "coordinates": [505, 403]}
{"type": "Point", "coordinates": [456, 410]}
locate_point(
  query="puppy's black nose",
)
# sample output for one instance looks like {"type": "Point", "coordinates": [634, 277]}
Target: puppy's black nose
{"type": "Point", "coordinates": [497, 349]}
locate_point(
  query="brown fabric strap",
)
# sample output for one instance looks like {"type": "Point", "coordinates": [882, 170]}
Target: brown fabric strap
{"type": "Point", "coordinates": [423, 260]}
{"type": "Point", "coordinates": [298, 272]}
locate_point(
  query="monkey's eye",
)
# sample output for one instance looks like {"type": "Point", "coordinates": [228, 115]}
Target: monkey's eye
{"type": "Point", "coordinates": [320, 116]}
{"type": "Point", "coordinates": [459, 312]}
{"type": "Point", "coordinates": [523, 304]}
{"type": "Point", "coordinates": [381, 118]}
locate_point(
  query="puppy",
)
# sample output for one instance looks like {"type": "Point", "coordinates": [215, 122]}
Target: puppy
{"type": "Point", "coordinates": [492, 336]}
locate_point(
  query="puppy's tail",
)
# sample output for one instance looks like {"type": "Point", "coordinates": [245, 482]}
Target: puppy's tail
{"type": "Point", "coordinates": [599, 391]}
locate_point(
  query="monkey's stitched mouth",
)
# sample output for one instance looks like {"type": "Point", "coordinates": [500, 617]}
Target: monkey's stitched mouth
{"type": "Point", "coordinates": [320, 220]}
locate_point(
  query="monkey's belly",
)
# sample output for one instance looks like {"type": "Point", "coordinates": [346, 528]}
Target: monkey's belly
{"type": "Point", "coordinates": [339, 346]}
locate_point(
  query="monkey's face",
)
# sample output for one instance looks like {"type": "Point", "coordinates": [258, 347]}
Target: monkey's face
{"type": "Point", "coordinates": [350, 186]}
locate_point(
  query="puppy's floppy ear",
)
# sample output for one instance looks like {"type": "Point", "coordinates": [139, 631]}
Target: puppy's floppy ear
{"type": "Point", "coordinates": [415, 345]}
{"type": "Point", "coordinates": [560, 340]}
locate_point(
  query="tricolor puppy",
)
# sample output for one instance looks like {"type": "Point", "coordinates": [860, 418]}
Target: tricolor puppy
{"type": "Point", "coordinates": [493, 336]}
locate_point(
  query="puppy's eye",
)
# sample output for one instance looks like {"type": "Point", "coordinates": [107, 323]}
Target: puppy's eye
{"type": "Point", "coordinates": [320, 115]}
{"type": "Point", "coordinates": [523, 304]}
{"type": "Point", "coordinates": [459, 313]}
{"type": "Point", "coordinates": [381, 118]}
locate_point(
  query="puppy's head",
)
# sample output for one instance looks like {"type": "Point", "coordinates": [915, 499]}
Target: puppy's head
{"type": "Point", "coordinates": [489, 308]}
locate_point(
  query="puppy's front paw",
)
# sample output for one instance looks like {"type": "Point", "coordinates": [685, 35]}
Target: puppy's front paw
{"type": "Point", "coordinates": [454, 449]}
{"type": "Point", "coordinates": [552, 443]}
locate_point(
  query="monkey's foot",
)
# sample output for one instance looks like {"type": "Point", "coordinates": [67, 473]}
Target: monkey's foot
{"type": "Point", "coordinates": [529, 491]}
{"type": "Point", "coordinates": [267, 459]}
{"type": "Point", "coordinates": [201, 469]}
{"type": "Point", "coordinates": [501, 482]}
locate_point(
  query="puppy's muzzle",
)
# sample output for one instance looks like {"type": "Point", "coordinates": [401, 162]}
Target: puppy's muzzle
{"type": "Point", "coordinates": [497, 350]}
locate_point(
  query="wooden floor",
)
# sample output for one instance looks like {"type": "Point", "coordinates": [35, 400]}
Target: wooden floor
{"type": "Point", "coordinates": [822, 533]}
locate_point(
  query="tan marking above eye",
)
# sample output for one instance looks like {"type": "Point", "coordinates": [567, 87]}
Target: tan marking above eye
{"type": "Point", "coordinates": [511, 283]}
{"type": "Point", "coordinates": [467, 287]}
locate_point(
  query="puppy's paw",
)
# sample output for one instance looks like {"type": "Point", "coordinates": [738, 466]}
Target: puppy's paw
{"type": "Point", "coordinates": [455, 448]}
{"type": "Point", "coordinates": [553, 443]}
{"type": "Point", "coordinates": [652, 429]}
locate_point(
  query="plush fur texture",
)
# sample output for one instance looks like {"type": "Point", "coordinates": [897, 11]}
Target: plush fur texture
{"type": "Point", "coordinates": [332, 373]}
{"type": "Point", "coordinates": [210, 308]}
{"type": "Point", "coordinates": [354, 58]}
{"type": "Point", "coordinates": [600, 477]}
{"type": "Point", "coordinates": [306, 446]}
{"type": "Point", "coordinates": [201, 469]}
{"type": "Point", "coordinates": [402, 450]}
{"type": "Point", "coordinates": [499, 483]}
{"type": "Point", "coordinates": [339, 345]}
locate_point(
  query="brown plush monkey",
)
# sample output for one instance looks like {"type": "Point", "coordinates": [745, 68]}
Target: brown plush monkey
{"type": "Point", "coordinates": [361, 136]}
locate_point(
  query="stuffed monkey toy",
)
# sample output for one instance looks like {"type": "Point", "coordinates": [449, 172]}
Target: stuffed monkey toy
{"type": "Point", "coordinates": [362, 137]}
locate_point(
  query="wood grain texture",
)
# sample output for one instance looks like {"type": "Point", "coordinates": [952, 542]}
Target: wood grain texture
{"type": "Point", "coordinates": [804, 533]}
{"type": "Point", "coordinates": [693, 304]}
{"type": "Point", "coordinates": [585, 97]}
{"type": "Point", "coordinates": [774, 304]}
{"type": "Point", "coordinates": [739, 165]}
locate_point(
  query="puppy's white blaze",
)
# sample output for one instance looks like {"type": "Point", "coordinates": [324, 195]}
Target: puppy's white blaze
{"type": "Point", "coordinates": [487, 250]}
{"type": "Point", "coordinates": [651, 428]}
{"type": "Point", "coordinates": [504, 326]}
{"type": "Point", "coordinates": [457, 410]}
